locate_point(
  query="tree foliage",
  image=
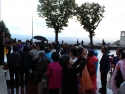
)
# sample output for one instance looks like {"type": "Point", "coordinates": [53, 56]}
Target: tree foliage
{"type": "Point", "coordinates": [4, 29]}
{"type": "Point", "coordinates": [56, 13]}
{"type": "Point", "coordinates": [89, 16]}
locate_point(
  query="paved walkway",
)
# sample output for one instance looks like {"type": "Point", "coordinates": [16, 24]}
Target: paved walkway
{"type": "Point", "coordinates": [3, 87]}
{"type": "Point", "coordinates": [31, 87]}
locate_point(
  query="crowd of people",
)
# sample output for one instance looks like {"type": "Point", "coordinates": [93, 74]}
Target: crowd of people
{"type": "Point", "coordinates": [69, 69]}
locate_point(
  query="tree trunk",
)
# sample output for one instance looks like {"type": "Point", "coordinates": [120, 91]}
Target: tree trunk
{"type": "Point", "coordinates": [56, 36]}
{"type": "Point", "coordinates": [91, 40]}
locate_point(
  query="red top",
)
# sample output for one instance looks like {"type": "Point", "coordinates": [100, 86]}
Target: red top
{"type": "Point", "coordinates": [54, 74]}
{"type": "Point", "coordinates": [92, 70]}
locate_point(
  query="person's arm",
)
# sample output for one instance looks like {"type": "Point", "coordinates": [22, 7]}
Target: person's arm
{"type": "Point", "coordinates": [77, 62]}
{"type": "Point", "coordinates": [49, 71]}
{"type": "Point", "coordinates": [81, 66]}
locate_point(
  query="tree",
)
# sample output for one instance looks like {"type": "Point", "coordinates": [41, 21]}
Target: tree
{"type": "Point", "coordinates": [89, 16]}
{"type": "Point", "coordinates": [4, 29]}
{"type": "Point", "coordinates": [56, 13]}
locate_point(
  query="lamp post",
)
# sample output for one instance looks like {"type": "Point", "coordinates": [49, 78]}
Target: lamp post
{"type": "Point", "coordinates": [32, 28]}
{"type": "Point", "coordinates": [0, 10]}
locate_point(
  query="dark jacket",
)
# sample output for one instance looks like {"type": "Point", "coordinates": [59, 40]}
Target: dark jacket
{"type": "Point", "coordinates": [41, 68]}
{"type": "Point", "coordinates": [69, 80]}
{"type": "Point", "coordinates": [115, 60]}
{"type": "Point", "coordinates": [105, 63]}
{"type": "Point", "coordinates": [25, 60]}
{"type": "Point", "coordinates": [14, 59]}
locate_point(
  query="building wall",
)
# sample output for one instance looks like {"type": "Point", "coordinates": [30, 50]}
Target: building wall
{"type": "Point", "coordinates": [122, 38]}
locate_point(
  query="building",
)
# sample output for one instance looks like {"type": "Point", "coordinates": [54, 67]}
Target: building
{"type": "Point", "coordinates": [122, 39]}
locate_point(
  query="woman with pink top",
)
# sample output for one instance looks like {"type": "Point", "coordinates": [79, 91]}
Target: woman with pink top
{"type": "Point", "coordinates": [119, 74]}
{"type": "Point", "coordinates": [54, 74]}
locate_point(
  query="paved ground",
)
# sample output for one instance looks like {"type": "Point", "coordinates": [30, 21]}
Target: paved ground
{"type": "Point", "coordinates": [31, 87]}
{"type": "Point", "coordinates": [3, 88]}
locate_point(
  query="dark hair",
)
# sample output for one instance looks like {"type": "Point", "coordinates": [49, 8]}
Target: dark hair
{"type": "Point", "coordinates": [73, 51]}
{"type": "Point", "coordinates": [122, 55]}
{"type": "Point", "coordinates": [34, 46]}
{"type": "Point", "coordinates": [54, 45]}
{"type": "Point", "coordinates": [19, 40]}
{"type": "Point", "coordinates": [1, 33]}
{"type": "Point", "coordinates": [42, 47]}
{"type": "Point", "coordinates": [25, 49]}
{"type": "Point", "coordinates": [79, 51]}
{"type": "Point", "coordinates": [105, 48]}
{"type": "Point", "coordinates": [120, 50]}
{"type": "Point", "coordinates": [64, 60]}
{"type": "Point", "coordinates": [15, 48]}
{"type": "Point", "coordinates": [47, 50]}
{"type": "Point", "coordinates": [42, 54]}
{"type": "Point", "coordinates": [91, 52]}
{"type": "Point", "coordinates": [55, 56]}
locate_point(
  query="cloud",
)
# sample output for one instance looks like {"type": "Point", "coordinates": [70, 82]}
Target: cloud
{"type": "Point", "coordinates": [17, 15]}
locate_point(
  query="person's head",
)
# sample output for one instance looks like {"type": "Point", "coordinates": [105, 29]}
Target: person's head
{"type": "Point", "coordinates": [53, 45]}
{"type": "Point", "coordinates": [104, 49]}
{"type": "Point", "coordinates": [41, 55]}
{"type": "Point", "coordinates": [19, 41]}
{"type": "Point", "coordinates": [27, 41]}
{"type": "Point", "coordinates": [122, 55]}
{"type": "Point", "coordinates": [84, 51]}
{"type": "Point", "coordinates": [33, 46]}
{"type": "Point", "coordinates": [79, 51]}
{"type": "Point", "coordinates": [47, 50]}
{"type": "Point", "coordinates": [2, 33]}
{"type": "Point", "coordinates": [65, 46]}
{"type": "Point", "coordinates": [64, 61]}
{"type": "Point", "coordinates": [25, 49]}
{"type": "Point", "coordinates": [90, 52]}
{"type": "Point", "coordinates": [118, 51]}
{"type": "Point", "coordinates": [55, 56]}
{"type": "Point", "coordinates": [15, 48]}
{"type": "Point", "coordinates": [73, 52]}
{"type": "Point", "coordinates": [95, 53]}
{"type": "Point", "coordinates": [80, 46]}
{"type": "Point", "coordinates": [42, 47]}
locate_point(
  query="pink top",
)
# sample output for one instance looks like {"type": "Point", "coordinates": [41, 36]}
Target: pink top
{"type": "Point", "coordinates": [121, 65]}
{"type": "Point", "coordinates": [54, 74]}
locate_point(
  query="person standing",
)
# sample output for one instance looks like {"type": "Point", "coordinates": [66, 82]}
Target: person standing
{"type": "Point", "coordinates": [41, 68]}
{"type": "Point", "coordinates": [25, 64]}
{"type": "Point", "coordinates": [54, 74]}
{"type": "Point", "coordinates": [14, 60]}
{"type": "Point", "coordinates": [104, 68]}
{"type": "Point", "coordinates": [2, 42]}
{"type": "Point", "coordinates": [91, 60]}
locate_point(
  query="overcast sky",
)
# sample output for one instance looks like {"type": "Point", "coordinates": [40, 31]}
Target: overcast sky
{"type": "Point", "coordinates": [17, 15]}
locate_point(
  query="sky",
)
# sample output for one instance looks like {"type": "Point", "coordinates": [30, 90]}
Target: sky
{"type": "Point", "coordinates": [17, 15]}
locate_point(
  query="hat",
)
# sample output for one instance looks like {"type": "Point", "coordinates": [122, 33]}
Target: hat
{"type": "Point", "coordinates": [91, 51]}
{"type": "Point", "coordinates": [95, 53]}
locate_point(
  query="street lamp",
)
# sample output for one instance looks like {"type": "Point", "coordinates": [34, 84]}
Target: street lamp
{"type": "Point", "coordinates": [0, 10]}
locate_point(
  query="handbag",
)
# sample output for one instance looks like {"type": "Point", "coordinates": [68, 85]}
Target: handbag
{"type": "Point", "coordinates": [119, 78]}
{"type": "Point", "coordinates": [6, 66]}
{"type": "Point", "coordinates": [43, 85]}
{"type": "Point", "coordinates": [121, 90]}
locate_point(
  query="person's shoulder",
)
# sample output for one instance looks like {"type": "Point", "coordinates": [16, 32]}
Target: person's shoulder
{"type": "Point", "coordinates": [46, 60]}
